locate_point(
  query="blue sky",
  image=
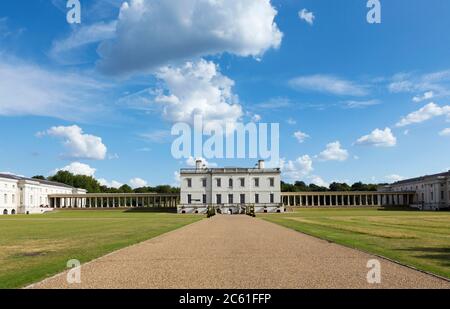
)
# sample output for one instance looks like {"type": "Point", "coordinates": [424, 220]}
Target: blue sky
{"type": "Point", "coordinates": [355, 101]}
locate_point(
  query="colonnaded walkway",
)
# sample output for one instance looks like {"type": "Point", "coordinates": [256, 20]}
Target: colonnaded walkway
{"type": "Point", "coordinates": [239, 252]}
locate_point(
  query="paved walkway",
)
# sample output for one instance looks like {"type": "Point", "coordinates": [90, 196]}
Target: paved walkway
{"type": "Point", "coordinates": [239, 252]}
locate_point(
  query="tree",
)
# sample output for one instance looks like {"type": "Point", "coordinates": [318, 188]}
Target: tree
{"type": "Point", "coordinates": [40, 177]}
{"type": "Point", "coordinates": [338, 187]}
{"type": "Point", "coordinates": [78, 181]}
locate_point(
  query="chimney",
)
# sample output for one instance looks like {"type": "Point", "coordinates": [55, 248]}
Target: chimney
{"type": "Point", "coordinates": [198, 164]}
{"type": "Point", "coordinates": [261, 164]}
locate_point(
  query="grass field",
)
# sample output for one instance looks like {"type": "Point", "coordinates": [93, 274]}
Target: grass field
{"type": "Point", "coordinates": [35, 247]}
{"type": "Point", "coordinates": [419, 239]}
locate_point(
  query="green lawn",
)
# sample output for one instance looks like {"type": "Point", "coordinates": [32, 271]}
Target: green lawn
{"type": "Point", "coordinates": [35, 247]}
{"type": "Point", "coordinates": [419, 239]}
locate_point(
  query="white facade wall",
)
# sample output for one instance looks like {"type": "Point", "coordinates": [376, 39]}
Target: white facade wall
{"type": "Point", "coordinates": [238, 187]}
{"type": "Point", "coordinates": [432, 191]}
{"type": "Point", "coordinates": [9, 196]}
{"type": "Point", "coordinates": [28, 196]}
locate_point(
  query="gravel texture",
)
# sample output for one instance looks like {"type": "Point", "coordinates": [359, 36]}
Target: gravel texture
{"type": "Point", "coordinates": [239, 252]}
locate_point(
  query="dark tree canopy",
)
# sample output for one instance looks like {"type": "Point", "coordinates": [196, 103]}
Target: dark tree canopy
{"type": "Point", "coordinates": [93, 186]}
{"type": "Point", "coordinates": [300, 186]}
{"type": "Point", "coordinates": [39, 177]}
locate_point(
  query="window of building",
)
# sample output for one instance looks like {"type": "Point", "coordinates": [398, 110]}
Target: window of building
{"type": "Point", "coordinates": [272, 198]}
{"type": "Point", "coordinates": [189, 199]}
{"type": "Point", "coordinates": [189, 182]}
{"type": "Point", "coordinates": [242, 180]}
{"type": "Point", "coordinates": [204, 182]}
{"type": "Point", "coordinates": [256, 198]}
{"type": "Point", "coordinates": [230, 199]}
{"type": "Point", "coordinates": [204, 198]}
{"type": "Point", "coordinates": [219, 199]}
{"type": "Point", "coordinates": [5, 199]}
{"type": "Point", "coordinates": [432, 196]}
{"type": "Point", "coordinates": [256, 182]}
{"type": "Point", "coordinates": [230, 183]}
{"type": "Point", "coordinates": [242, 198]}
{"type": "Point", "coordinates": [219, 182]}
{"type": "Point", "coordinates": [13, 198]}
{"type": "Point", "coordinates": [442, 195]}
{"type": "Point", "coordinates": [272, 182]}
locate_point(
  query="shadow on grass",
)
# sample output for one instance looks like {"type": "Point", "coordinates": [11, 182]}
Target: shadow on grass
{"type": "Point", "coordinates": [398, 208]}
{"type": "Point", "coordinates": [151, 210]}
{"type": "Point", "coordinates": [442, 255]}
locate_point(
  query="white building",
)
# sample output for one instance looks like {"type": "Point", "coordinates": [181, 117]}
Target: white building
{"type": "Point", "coordinates": [20, 195]}
{"type": "Point", "coordinates": [431, 191]}
{"type": "Point", "coordinates": [230, 190]}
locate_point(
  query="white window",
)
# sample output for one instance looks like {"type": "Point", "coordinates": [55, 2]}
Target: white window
{"type": "Point", "coordinates": [256, 182]}
{"type": "Point", "coordinates": [5, 198]}
{"type": "Point", "coordinates": [272, 182]}
{"type": "Point", "coordinates": [13, 198]}
{"type": "Point", "coordinates": [189, 182]}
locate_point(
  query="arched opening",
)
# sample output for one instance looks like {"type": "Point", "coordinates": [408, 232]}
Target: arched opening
{"type": "Point", "coordinates": [13, 212]}
{"type": "Point", "coordinates": [5, 212]}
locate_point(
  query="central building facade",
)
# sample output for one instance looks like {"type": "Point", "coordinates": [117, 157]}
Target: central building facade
{"type": "Point", "coordinates": [230, 190]}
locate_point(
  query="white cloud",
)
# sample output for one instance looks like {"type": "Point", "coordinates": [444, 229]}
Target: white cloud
{"type": "Point", "coordinates": [177, 178]}
{"type": "Point", "coordinates": [378, 138]}
{"type": "Point", "coordinates": [328, 84]}
{"type": "Point", "coordinates": [291, 122]}
{"type": "Point", "coordinates": [445, 132]}
{"type": "Point", "coordinates": [191, 162]}
{"type": "Point", "coordinates": [394, 178]}
{"type": "Point", "coordinates": [77, 168]}
{"type": "Point", "coordinates": [192, 28]}
{"type": "Point", "coordinates": [275, 103]}
{"type": "Point", "coordinates": [433, 85]}
{"type": "Point", "coordinates": [298, 169]}
{"type": "Point", "coordinates": [427, 112]}
{"type": "Point", "coordinates": [307, 16]}
{"type": "Point", "coordinates": [67, 50]}
{"type": "Point", "coordinates": [333, 152]}
{"type": "Point", "coordinates": [110, 184]}
{"type": "Point", "coordinates": [256, 118]}
{"type": "Point", "coordinates": [78, 144]}
{"type": "Point", "coordinates": [138, 183]}
{"type": "Point", "coordinates": [157, 136]}
{"type": "Point", "coordinates": [301, 136]}
{"type": "Point", "coordinates": [198, 88]}
{"type": "Point", "coordinates": [426, 96]}
{"type": "Point", "coordinates": [317, 180]}
{"type": "Point", "coordinates": [361, 104]}
{"type": "Point", "coordinates": [27, 89]}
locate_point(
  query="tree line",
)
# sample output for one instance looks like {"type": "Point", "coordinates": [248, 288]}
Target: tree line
{"type": "Point", "coordinates": [93, 186]}
{"type": "Point", "coordinates": [300, 186]}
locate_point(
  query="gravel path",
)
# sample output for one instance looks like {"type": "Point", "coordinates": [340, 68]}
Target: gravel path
{"type": "Point", "coordinates": [239, 252]}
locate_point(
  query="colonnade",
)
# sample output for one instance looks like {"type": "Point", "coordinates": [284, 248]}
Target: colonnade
{"type": "Point", "coordinates": [114, 201]}
{"type": "Point", "coordinates": [313, 199]}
